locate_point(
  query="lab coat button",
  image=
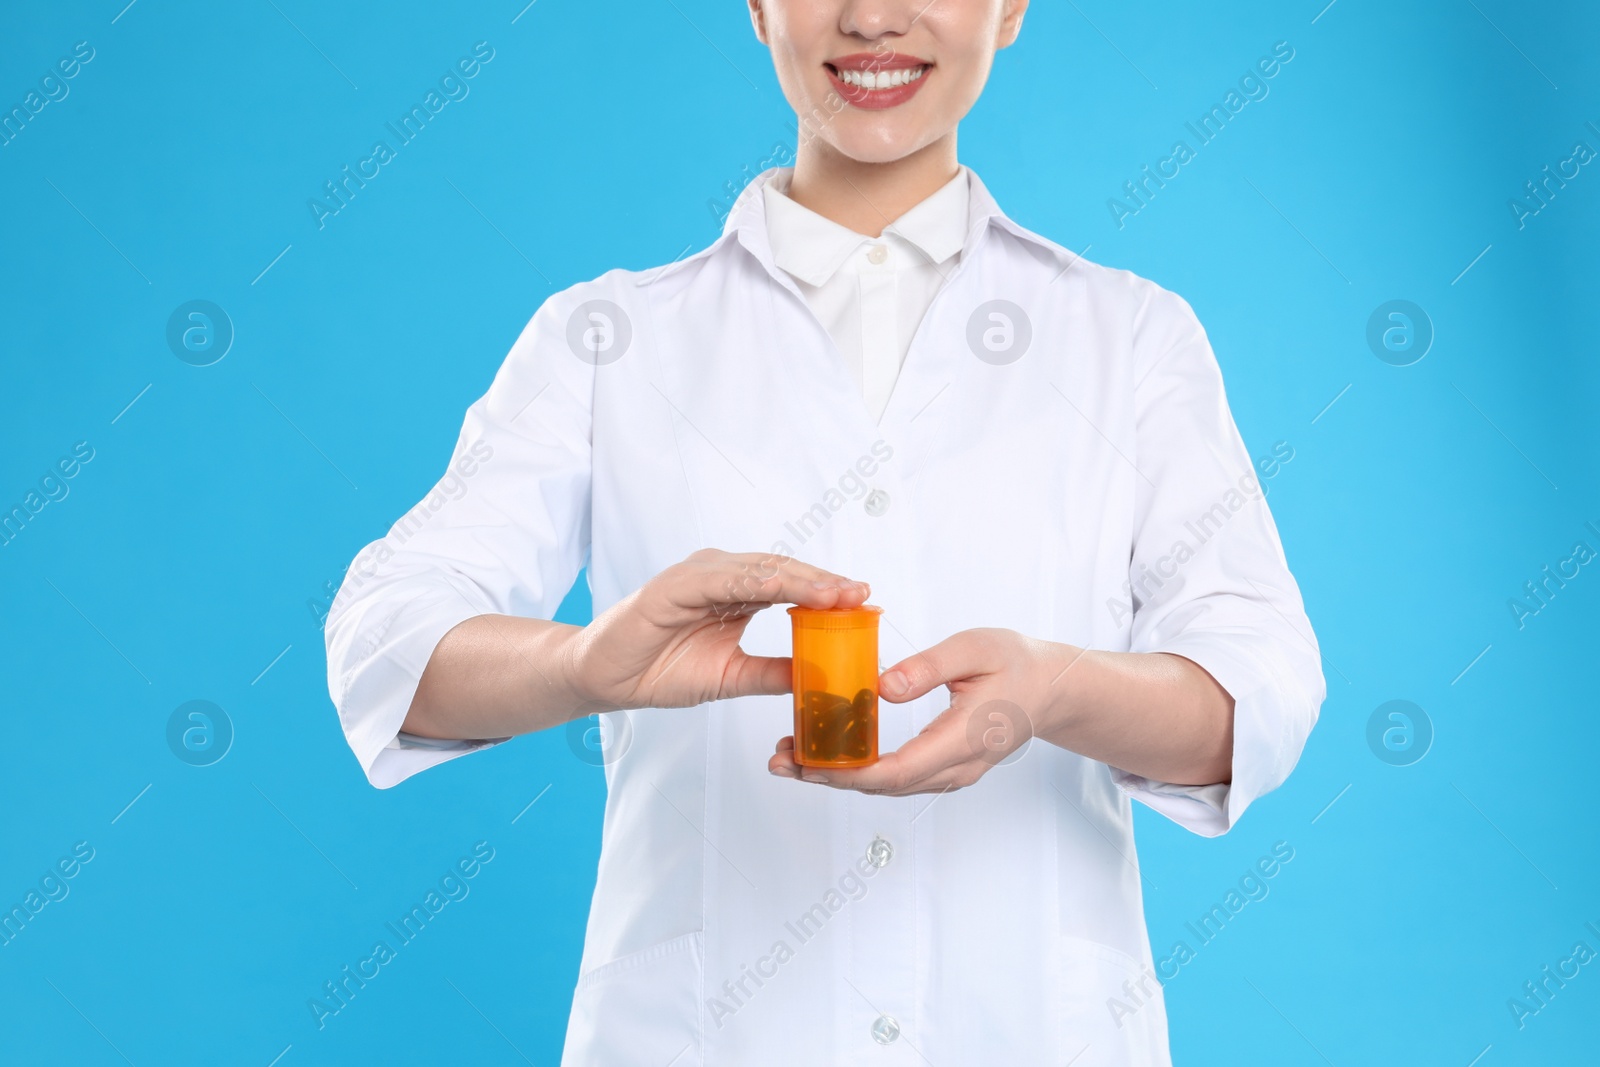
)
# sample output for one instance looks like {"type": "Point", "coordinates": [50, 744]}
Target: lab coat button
{"type": "Point", "coordinates": [877, 254]}
{"type": "Point", "coordinates": [885, 1029]}
{"type": "Point", "coordinates": [879, 852]}
{"type": "Point", "coordinates": [877, 502]}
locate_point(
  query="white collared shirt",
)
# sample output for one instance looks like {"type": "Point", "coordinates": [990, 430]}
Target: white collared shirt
{"type": "Point", "coordinates": [869, 293]}
{"type": "Point", "coordinates": [1056, 457]}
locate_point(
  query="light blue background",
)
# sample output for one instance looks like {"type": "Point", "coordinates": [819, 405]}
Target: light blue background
{"type": "Point", "coordinates": [188, 552]}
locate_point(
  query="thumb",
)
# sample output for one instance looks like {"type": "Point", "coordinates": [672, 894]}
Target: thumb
{"type": "Point", "coordinates": [956, 657]}
{"type": "Point", "coordinates": [757, 676]}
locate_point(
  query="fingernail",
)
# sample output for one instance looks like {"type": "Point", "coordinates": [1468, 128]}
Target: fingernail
{"type": "Point", "coordinates": [817, 778]}
{"type": "Point", "coordinates": [893, 683]}
{"type": "Point", "coordinates": [782, 772]}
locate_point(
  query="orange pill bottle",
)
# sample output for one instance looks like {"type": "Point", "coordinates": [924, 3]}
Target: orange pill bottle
{"type": "Point", "coordinates": [835, 686]}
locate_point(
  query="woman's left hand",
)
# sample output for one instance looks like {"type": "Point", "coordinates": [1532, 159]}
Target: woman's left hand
{"type": "Point", "coordinates": [1000, 692]}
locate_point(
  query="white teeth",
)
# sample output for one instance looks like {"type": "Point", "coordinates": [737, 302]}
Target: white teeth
{"type": "Point", "coordinates": [883, 79]}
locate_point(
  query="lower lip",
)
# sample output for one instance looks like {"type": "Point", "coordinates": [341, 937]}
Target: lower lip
{"type": "Point", "coordinates": [876, 99]}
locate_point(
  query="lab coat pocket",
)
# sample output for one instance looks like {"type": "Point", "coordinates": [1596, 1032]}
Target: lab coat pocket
{"type": "Point", "coordinates": [1111, 1008]}
{"type": "Point", "coordinates": [642, 1008]}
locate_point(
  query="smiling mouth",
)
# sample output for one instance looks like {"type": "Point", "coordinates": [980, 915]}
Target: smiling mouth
{"type": "Point", "coordinates": [875, 82]}
{"type": "Point", "coordinates": [881, 79]}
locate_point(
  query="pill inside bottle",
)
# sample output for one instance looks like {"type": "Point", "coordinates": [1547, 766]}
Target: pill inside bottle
{"type": "Point", "coordinates": [835, 686]}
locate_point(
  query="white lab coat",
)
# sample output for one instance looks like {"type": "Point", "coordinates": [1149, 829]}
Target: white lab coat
{"type": "Point", "coordinates": [736, 918]}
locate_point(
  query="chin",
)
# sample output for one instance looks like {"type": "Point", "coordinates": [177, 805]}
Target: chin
{"type": "Point", "coordinates": [879, 146]}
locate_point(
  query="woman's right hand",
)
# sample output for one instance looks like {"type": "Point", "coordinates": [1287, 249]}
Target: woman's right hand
{"type": "Point", "coordinates": [674, 642]}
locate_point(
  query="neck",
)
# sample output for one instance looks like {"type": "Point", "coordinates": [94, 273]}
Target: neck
{"type": "Point", "coordinates": [866, 197]}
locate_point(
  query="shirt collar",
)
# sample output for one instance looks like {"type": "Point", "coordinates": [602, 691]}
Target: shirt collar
{"type": "Point", "coordinates": [812, 248]}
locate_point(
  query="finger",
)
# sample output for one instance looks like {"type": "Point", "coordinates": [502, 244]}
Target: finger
{"type": "Point", "coordinates": [945, 780]}
{"type": "Point", "coordinates": [754, 580]}
{"type": "Point", "coordinates": [782, 761]}
{"type": "Point", "coordinates": [763, 565]}
{"type": "Point", "coordinates": [792, 581]}
{"type": "Point", "coordinates": [958, 656]}
{"type": "Point", "coordinates": [941, 746]}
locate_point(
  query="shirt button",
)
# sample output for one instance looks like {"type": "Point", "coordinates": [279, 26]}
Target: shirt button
{"type": "Point", "coordinates": [885, 1029]}
{"type": "Point", "coordinates": [877, 502]}
{"type": "Point", "coordinates": [877, 254]}
{"type": "Point", "coordinates": [878, 854]}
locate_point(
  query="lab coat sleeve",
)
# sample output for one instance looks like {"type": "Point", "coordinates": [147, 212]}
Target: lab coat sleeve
{"type": "Point", "coordinates": [504, 532]}
{"type": "Point", "coordinates": [1207, 575]}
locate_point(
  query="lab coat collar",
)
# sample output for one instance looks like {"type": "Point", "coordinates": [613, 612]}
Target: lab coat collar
{"type": "Point", "coordinates": [748, 218]}
{"type": "Point", "coordinates": [812, 248]}
{"type": "Point", "coordinates": [747, 222]}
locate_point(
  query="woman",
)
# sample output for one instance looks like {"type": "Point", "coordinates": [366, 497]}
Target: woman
{"type": "Point", "coordinates": [873, 373]}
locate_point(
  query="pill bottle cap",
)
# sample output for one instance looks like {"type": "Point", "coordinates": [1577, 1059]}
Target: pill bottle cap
{"type": "Point", "coordinates": [861, 618]}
